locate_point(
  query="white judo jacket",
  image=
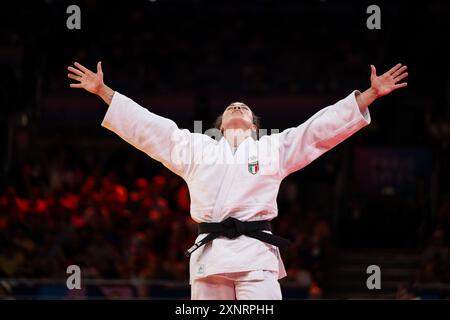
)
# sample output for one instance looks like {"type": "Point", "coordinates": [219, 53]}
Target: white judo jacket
{"type": "Point", "coordinates": [244, 184]}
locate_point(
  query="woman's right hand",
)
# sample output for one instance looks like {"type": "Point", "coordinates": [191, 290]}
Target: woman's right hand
{"type": "Point", "coordinates": [90, 81]}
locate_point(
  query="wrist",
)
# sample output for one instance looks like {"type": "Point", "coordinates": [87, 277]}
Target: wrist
{"type": "Point", "coordinates": [106, 93]}
{"type": "Point", "coordinates": [102, 89]}
{"type": "Point", "coordinates": [372, 93]}
{"type": "Point", "coordinates": [366, 98]}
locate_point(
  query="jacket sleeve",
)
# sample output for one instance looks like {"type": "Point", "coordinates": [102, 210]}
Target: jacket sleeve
{"type": "Point", "coordinates": [158, 137]}
{"type": "Point", "coordinates": [328, 127]}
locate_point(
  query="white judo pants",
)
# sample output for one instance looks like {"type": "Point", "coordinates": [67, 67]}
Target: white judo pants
{"type": "Point", "coordinates": [254, 285]}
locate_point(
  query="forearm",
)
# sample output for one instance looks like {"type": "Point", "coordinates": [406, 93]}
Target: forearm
{"type": "Point", "coordinates": [158, 137]}
{"type": "Point", "coordinates": [323, 131]}
{"type": "Point", "coordinates": [106, 93]}
{"type": "Point", "coordinates": [365, 99]}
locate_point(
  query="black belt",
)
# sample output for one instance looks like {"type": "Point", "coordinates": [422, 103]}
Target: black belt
{"type": "Point", "coordinates": [233, 228]}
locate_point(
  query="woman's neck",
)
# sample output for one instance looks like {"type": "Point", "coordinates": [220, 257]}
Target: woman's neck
{"type": "Point", "coordinates": [236, 136]}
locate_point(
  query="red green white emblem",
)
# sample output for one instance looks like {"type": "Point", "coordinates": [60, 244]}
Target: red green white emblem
{"type": "Point", "coordinates": [253, 167]}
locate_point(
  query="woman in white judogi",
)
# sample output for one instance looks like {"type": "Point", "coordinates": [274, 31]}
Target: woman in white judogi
{"type": "Point", "coordinates": [236, 176]}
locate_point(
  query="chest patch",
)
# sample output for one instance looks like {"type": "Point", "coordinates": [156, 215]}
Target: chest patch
{"type": "Point", "coordinates": [253, 165]}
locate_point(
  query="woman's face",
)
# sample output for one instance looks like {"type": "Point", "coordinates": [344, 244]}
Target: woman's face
{"type": "Point", "coordinates": [237, 115]}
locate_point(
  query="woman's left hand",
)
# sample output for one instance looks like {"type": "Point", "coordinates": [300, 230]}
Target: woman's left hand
{"type": "Point", "coordinates": [389, 81]}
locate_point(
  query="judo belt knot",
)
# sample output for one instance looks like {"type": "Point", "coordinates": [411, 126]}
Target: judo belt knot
{"type": "Point", "coordinates": [232, 228]}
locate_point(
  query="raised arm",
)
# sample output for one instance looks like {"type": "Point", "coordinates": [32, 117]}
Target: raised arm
{"type": "Point", "coordinates": [157, 136]}
{"type": "Point", "coordinates": [331, 125]}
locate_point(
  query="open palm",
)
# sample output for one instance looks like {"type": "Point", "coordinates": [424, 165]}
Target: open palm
{"type": "Point", "coordinates": [89, 80]}
{"type": "Point", "coordinates": [389, 81]}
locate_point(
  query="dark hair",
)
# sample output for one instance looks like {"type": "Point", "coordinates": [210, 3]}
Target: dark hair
{"type": "Point", "coordinates": [256, 122]}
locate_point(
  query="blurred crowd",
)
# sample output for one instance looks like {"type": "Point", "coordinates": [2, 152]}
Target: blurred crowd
{"type": "Point", "coordinates": [126, 221]}
{"type": "Point", "coordinates": [114, 228]}
{"type": "Point", "coordinates": [120, 215]}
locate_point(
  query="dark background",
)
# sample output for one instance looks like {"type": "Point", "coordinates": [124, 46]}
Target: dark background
{"type": "Point", "coordinates": [74, 193]}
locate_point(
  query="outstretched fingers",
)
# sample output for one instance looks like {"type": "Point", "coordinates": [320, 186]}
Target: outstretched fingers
{"type": "Point", "coordinates": [400, 85]}
{"type": "Point", "coordinates": [81, 67]}
{"type": "Point", "coordinates": [76, 85]}
{"type": "Point", "coordinates": [399, 71]}
{"type": "Point", "coordinates": [76, 71]}
{"type": "Point", "coordinates": [398, 74]}
{"type": "Point", "coordinates": [74, 77]}
{"type": "Point", "coordinates": [394, 69]}
{"type": "Point", "coordinates": [400, 77]}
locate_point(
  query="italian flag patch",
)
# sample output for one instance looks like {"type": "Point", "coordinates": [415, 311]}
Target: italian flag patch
{"type": "Point", "coordinates": [253, 167]}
